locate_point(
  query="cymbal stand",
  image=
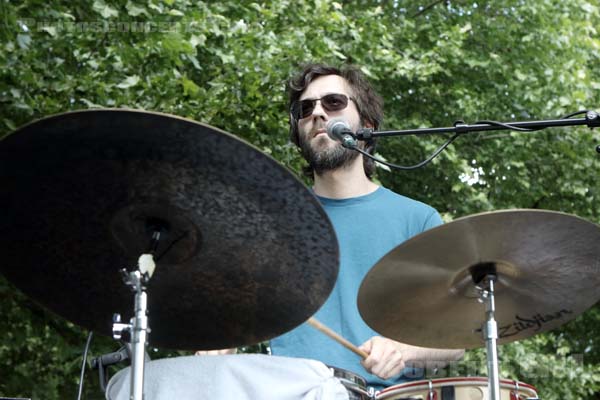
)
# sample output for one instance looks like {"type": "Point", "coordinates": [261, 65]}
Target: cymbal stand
{"type": "Point", "coordinates": [490, 334]}
{"type": "Point", "coordinates": [138, 327]}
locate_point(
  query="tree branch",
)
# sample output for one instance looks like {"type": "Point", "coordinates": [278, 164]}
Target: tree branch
{"type": "Point", "coordinates": [435, 3]}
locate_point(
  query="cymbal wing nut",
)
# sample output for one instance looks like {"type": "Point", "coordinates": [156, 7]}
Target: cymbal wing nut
{"type": "Point", "coordinates": [119, 329]}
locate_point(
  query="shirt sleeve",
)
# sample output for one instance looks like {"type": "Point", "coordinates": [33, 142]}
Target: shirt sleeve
{"type": "Point", "coordinates": [433, 219]}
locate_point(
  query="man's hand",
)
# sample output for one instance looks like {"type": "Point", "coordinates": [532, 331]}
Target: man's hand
{"type": "Point", "coordinates": [386, 356]}
{"type": "Point", "coordinates": [216, 352]}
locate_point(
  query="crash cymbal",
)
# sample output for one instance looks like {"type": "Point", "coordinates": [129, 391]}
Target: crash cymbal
{"type": "Point", "coordinates": [246, 251]}
{"type": "Point", "coordinates": [423, 292]}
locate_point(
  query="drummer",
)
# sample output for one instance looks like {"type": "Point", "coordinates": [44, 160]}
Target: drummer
{"type": "Point", "coordinates": [369, 220]}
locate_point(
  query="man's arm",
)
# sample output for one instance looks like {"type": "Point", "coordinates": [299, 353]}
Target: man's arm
{"type": "Point", "coordinates": [388, 357]}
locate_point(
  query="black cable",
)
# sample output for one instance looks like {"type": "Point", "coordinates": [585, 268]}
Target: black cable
{"type": "Point", "coordinates": [411, 167]}
{"type": "Point", "coordinates": [574, 114]}
{"type": "Point", "coordinates": [508, 126]}
{"type": "Point", "coordinates": [85, 353]}
{"type": "Point", "coordinates": [516, 128]}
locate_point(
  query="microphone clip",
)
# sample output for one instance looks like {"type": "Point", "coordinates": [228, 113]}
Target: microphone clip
{"type": "Point", "coordinates": [364, 134]}
{"type": "Point", "coordinates": [349, 141]}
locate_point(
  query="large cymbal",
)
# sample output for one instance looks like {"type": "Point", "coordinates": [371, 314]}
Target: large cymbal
{"type": "Point", "coordinates": [422, 292]}
{"type": "Point", "coordinates": [247, 253]}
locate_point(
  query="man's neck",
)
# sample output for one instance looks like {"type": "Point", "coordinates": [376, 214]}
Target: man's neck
{"type": "Point", "coordinates": [344, 183]}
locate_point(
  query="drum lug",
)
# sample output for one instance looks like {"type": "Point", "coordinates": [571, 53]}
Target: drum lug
{"type": "Point", "coordinates": [371, 393]}
{"type": "Point", "coordinates": [432, 393]}
{"type": "Point", "coordinates": [514, 395]}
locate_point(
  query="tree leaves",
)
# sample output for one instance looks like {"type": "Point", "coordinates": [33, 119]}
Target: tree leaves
{"type": "Point", "coordinates": [23, 41]}
{"type": "Point", "coordinates": [129, 82]}
{"type": "Point", "coordinates": [104, 10]}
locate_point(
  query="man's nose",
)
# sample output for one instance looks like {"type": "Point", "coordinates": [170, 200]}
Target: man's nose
{"type": "Point", "coordinates": [318, 111]}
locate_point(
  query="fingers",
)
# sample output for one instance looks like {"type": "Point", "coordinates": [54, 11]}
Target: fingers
{"type": "Point", "coordinates": [366, 346]}
{"type": "Point", "coordinates": [385, 357]}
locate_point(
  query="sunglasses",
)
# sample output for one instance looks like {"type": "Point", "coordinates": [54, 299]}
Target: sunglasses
{"type": "Point", "coordinates": [330, 102]}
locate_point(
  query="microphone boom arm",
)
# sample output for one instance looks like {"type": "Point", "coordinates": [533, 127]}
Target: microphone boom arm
{"type": "Point", "coordinates": [592, 120]}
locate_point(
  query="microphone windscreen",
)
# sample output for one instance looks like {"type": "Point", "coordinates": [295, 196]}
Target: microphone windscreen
{"type": "Point", "coordinates": [337, 127]}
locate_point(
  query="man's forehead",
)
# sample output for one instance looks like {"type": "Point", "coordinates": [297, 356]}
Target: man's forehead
{"type": "Point", "coordinates": [325, 85]}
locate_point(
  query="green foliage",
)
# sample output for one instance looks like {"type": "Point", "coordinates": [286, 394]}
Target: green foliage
{"type": "Point", "coordinates": [36, 344]}
{"type": "Point", "coordinates": [225, 64]}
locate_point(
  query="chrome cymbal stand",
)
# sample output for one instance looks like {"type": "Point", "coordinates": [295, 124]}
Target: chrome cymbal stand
{"type": "Point", "coordinates": [138, 328]}
{"type": "Point", "coordinates": [490, 334]}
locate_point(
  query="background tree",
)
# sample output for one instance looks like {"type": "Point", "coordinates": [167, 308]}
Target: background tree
{"type": "Point", "coordinates": [225, 64]}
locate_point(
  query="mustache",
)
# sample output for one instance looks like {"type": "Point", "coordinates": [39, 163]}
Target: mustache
{"type": "Point", "coordinates": [315, 129]}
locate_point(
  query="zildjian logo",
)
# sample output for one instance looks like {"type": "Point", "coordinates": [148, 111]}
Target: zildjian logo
{"type": "Point", "coordinates": [534, 322]}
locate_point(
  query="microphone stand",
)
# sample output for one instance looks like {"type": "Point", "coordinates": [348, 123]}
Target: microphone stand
{"type": "Point", "coordinates": [592, 120]}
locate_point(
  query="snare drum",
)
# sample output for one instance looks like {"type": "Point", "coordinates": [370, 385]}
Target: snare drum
{"type": "Point", "coordinates": [469, 388]}
{"type": "Point", "coordinates": [355, 384]}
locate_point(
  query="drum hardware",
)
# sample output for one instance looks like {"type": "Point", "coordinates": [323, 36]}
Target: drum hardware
{"type": "Point", "coordinates": [459, 388]}
{"type": "Point", "coordinates": [432, 395]}
{"type": "Point", "coordinates": [490, 332]}
{"type": "Point", "coordinates": [355, 384]}
{"type": "Point", "coordinates": [101, 363]}
{"type": "Point", "coordinates": [371, 392]}
{"type": "Point", "coordinates": [138, 328]}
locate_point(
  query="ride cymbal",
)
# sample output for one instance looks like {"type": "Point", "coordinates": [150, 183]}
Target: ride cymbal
{"type": "Point", "coordinates": [423, 292]}
{"type": "Point", "coordinates": [245, 253]}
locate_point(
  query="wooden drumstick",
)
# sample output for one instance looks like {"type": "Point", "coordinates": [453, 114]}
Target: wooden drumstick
{"type": "Point", "coordinates": [317, 325]}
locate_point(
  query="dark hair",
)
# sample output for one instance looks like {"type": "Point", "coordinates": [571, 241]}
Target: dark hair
{"type": "Point", "coordinates": [368, 102]}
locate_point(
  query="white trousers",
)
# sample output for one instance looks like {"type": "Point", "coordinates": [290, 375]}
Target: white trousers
{"type": "Point", "coordinates": [232, 377]}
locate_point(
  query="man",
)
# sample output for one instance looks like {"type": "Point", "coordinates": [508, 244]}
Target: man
{"type": "Point", "coordinates": [369, 221]}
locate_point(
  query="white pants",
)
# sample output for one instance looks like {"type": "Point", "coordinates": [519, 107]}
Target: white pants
{"type": "Point", "coordinates": [232, 377]}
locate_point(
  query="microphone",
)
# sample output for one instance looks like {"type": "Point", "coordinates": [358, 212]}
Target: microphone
{"type": "Point", "coordinates": [338, 129]}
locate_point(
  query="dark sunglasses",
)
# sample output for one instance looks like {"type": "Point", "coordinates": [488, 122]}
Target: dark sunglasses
{"type": "Point", "coordinates": [330, 102]}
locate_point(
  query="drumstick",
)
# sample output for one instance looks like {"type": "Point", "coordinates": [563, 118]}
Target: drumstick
{"type": "Point", "coordinates": [317, 325]}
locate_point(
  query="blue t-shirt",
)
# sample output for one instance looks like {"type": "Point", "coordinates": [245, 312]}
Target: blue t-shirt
{"type": "Point", "coordinates": [367, 228]}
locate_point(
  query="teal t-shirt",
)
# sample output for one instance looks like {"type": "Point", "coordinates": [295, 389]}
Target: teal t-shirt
{"type": "Point", "coordinates": [367, 227]}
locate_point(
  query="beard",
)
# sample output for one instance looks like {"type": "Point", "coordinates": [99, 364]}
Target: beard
{"type": "Point", "coordinates": [328, 158]}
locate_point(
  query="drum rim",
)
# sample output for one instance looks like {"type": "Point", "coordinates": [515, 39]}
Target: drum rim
{"type": "Point", "coordinates": [436, 383]}
{"type": "Point", "coordinates": [351, 381]}
{"type": "Point", "coordinates": [348, 376]}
